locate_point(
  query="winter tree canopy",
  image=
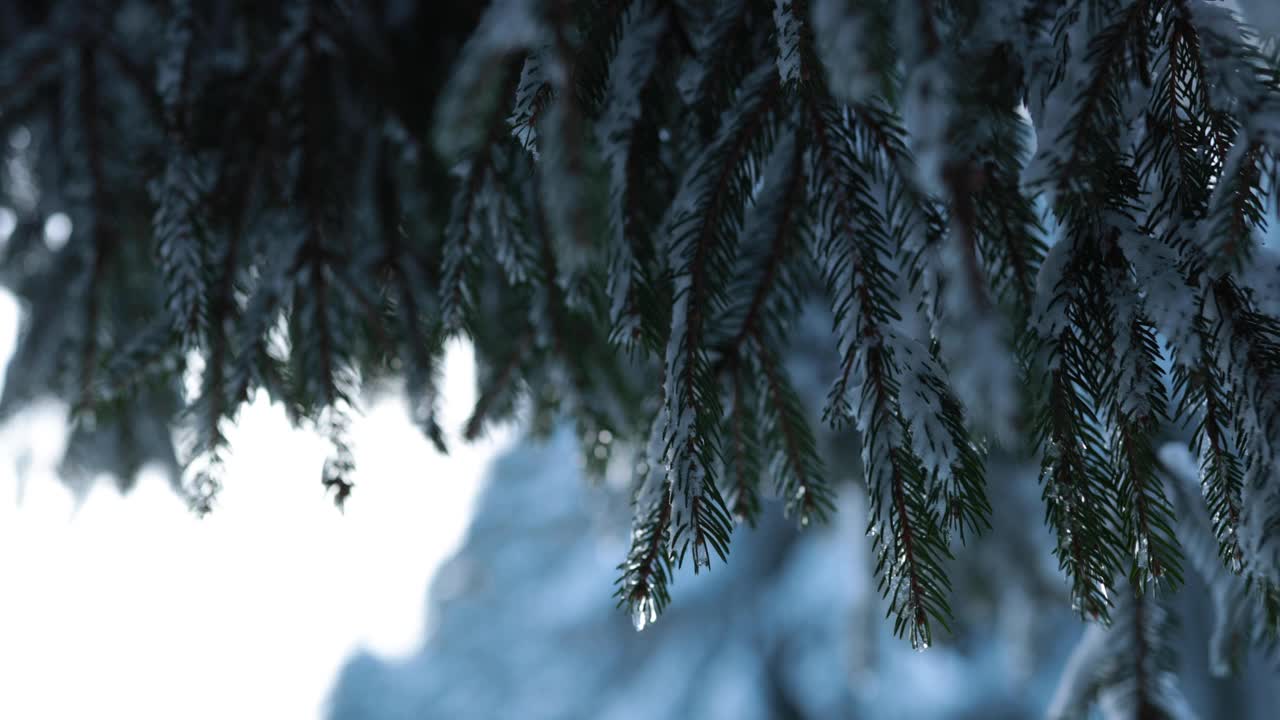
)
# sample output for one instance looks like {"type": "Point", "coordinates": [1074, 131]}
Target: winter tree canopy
{"type": "Point", "coordinates": [1030, 226]}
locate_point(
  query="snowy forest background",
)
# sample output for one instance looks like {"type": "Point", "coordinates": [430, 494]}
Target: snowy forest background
{"type": "Point", "coordinates": [793, 627]}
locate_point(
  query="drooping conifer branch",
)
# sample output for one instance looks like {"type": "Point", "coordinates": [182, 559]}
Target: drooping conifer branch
{"type": "Point", "coordinates": [742, 462]}
{"type": "Point", "coordinates": [99, 243]}
{"type": "Point", "coordinates": [751, 171]}
{"type": "Point", "coordinates": [1075, 471]}
{"type": "Point", "coordinates": [647, 569]}
{"type": "Point", "coordinates": [1138, 407]}
{"type": "Point", "coordinates": [463, 235]}
{"type": "Point", "coordinates": [1129, 667]}
{"type": "Point", "coordinates": [409, 283]}
{"type": "Point", "coordinates": [180, 246]}
{"type": "Point", "coordinates": [706, 217]}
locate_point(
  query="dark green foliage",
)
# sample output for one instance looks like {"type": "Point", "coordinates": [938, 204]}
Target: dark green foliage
{"type": "Point", "coordinates": [1030, 226]}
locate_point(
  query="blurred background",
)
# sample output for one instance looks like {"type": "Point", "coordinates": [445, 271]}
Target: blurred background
{"type": "Point", "coordinates": [129, 606]}
{"type": "Point", "coordinates": [478, 585]}
{"type": "Point", "coordinates": [793, 626]}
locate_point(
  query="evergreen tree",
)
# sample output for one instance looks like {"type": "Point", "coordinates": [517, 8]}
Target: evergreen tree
{"type": "Point", "coordinates": [1032, 226]}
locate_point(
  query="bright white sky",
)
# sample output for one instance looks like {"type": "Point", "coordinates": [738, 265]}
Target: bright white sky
{"type": "Point", "coordinates": [130, 607]}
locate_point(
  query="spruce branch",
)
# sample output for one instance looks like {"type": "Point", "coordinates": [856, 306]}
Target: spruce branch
{"type": "Point", "coordinates": [499, 385]}
{"type": "Point", "coordinates": [180, 243]}
{"type": "Point", "coordinates": [1138, 409]}
{"type": "Point", "coordinates": [626, 135]}
{"type": "Point", "coordinates": [100, 243]}
{"type": "Point", "coordinates": [708, 179]}
{"type": "Point", "coordinates": [795, 462]}
{"type": "Point", "coordinates": [462, 241]}
{"type": "Point", "coordinates": [770, 279]}
{"type": "Point", "coordinates": [422, 339]}
{"type": "Point", "coordinates": [705, 218]}
{"type": "Point", "coordinates": [564, 169]}
{"type": "Point", "coordinates": [742, 462]}
{"type": "Point", "coordinates": [1075, 470]}
{"type": "Point", "coordinates": [1221, 469]}
{"type": "Point", "coordinates": [1242, 605]}
{"type": "Point", "coordinates": [647, 570]}
{"type": "Point", "coordinates": [1127, 669]}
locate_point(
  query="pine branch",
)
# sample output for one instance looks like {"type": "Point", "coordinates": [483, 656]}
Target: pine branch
{"type": "Point", "coordinates": [723, 55]}
{"type": "Point", "coordinates": [1248, 349]}
{"type": "Point", "coordinates": [1223, 476]}
{"type": "Point", "coordinates": [909, 538]}
{"type": "Point", "coordinates": [910, 554]}
{"type": "Point", "coordinates": [101, 242]}
{"type": "Point", "coordinates": [497, 387]}
{"type": "Point", "coordinates": [421, 352]}
{"type": "Point", "coordinates": [781, 201]}
{"type": "Point", "coordinates": [795, 462]}
{"type": "Point", "coordinates": [1129, 669]}
{"type": "Point", "coordinates": [856, 276]}
{"type": "Point", "coordinates": [1138, 409]}
{"type": "Point", "coordinates": [214, 395]}
{"type": "Point", "coordinates": [320, 338]}
{"type": "Point", "coordinates": [547, 107]}
{"type": "Point", "coordinates": [1075, 471]}
{"type": "Point", "coordinates": [534, 94]}
{"type": "Point", "coordinates": [699, 166]}
{"type": "Point", "coordinates": [742, 462]}
{"type": "Point", "coordinates": [1085, 130]}
{"type": "Point", "coordinates": [647, 570]}
{"type": "Point", "coordinates": [705, 218]}
{"type": "Point", "coordinates": [461, 242]}
{"type": "Point", "coordinates": [622, 133]}
{"type": "Point", "coordinates": [966, 508]}
{"type": "Point", "coordinates": [484, 78]}
{"type": "Point", "coordinates": [266, 302]}
{"type": "Point", "coordinates": [180, 244]}
{"type": "Point", "coordinates": [605, 24]}
{"type": "Point", "coordinates": [1243, 611]}
{"type": "Point", "coordinates": [336, 474]}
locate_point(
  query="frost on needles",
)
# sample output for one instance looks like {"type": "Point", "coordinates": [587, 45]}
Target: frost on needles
{"type": "Point", "coordinates": [1029, 227]}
